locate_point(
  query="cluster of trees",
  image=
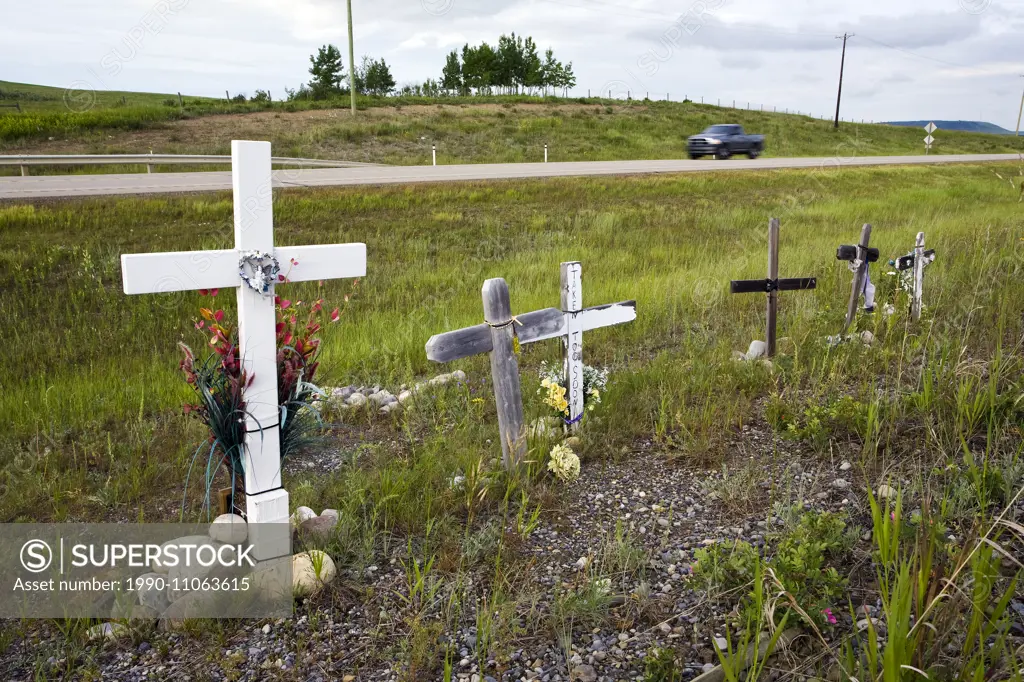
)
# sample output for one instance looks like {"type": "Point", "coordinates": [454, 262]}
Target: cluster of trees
{"type": "Point", "coordinates": [511, 67]}
{"type": "Point", "coordinates": [328, 77]}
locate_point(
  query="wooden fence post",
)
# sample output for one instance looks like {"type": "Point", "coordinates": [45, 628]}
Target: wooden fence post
{"type": "Point", "coordinates": [505, 371]}
{"type": "Point", "coordinates": [773, 275]}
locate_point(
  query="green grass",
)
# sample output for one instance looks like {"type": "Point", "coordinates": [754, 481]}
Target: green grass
{"type": "Point", "coordinates": [401, 130]}
{"type": "Point", "coordinates": [91, 394]}
{"type": "Point", "coordinates": [83, 360]}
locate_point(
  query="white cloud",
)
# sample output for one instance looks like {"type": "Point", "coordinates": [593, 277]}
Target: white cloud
{"type": "Point", "coordinates": [909, 59]}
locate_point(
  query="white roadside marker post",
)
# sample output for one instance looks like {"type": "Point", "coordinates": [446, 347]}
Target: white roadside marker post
{"type": "Point", "coordinates": [266, 502]}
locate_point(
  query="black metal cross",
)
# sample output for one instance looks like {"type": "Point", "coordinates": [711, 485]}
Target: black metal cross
{"type": "Point", "coordinates": [772, 285]}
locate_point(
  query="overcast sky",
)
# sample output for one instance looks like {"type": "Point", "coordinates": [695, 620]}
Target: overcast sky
{"type": "Point", "coordinates": [909, 59]}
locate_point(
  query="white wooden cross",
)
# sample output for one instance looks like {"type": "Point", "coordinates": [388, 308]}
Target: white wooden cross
{"type": "Point", "coordinates": [495, 335]}
{"type": "Point", "coordinates": [266, 501]}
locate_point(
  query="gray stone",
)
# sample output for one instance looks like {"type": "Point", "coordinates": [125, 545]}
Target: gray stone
{"type": "Point", "coordinates": [405, 396]}
{"type": "Point", "coordinates": [331, 512]}
{"type": "Point", "coordinates": [343, 393]}
{"type": "Point", "coordinates": [318, 528]}
{"type": "Point", "coordinates": [583, 673]}
{"type": "Point", "coordinates": [867, 338]}
{"type": "Point", "coordinates": [356, 400]}
{"type": "Point", "coordinates": [840, 484]}
{"type": "Point", "coordinates": [845, 466]}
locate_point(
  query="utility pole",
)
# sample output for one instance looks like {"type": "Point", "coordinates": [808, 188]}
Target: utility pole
{"type": "Point", "coordinates": [1017, 134]}
{"type": "Point", "coordinates": [842, 64]}
{"type": "Point", "coordinates": [351, 62]}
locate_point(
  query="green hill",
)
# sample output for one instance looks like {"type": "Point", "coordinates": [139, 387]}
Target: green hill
{"type": "Point", "coordinates": [401, 130]}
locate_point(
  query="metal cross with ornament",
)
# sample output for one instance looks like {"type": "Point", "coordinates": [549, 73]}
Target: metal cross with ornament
{"type": "Point", "coordinates": [251, 269]}
{"type": "Point", "coordinates": [915, 263]}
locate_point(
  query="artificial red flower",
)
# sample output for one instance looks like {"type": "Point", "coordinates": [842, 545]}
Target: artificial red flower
{"type": "Point", "coordinates": [285, 304]}
{"type": "Point", "coordinates": [214, 292]}
{"type": "Point", "coordinates": [335, 315]}
{"type": "Point", "coordinates": [219, 315]}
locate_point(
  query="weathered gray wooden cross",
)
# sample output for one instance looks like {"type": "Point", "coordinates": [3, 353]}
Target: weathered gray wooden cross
{"type": "Point", "coordinates": [772, 285]}
{"type": "Point", "coordinates": [266, 502]}
{"type": "Point", "coordinates": [859, 258]}
{"type": "Point", "coordinates": [496, 335]}
{"type": "Point", "coordinates": [916, 259]}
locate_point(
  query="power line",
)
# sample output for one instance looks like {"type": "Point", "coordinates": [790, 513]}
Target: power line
{"type": "Point", "coordinates": [915, 54]}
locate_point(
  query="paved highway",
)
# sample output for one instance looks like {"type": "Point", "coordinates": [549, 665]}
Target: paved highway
{"type": "Point", "coordinates": [35, 187]}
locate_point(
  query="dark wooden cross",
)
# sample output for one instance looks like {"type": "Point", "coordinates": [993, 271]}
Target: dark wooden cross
{"type": "Point", "coordinates": [772, 285]}
{"type": "Point", "coordinates": [916, 259]}
{"type": "Point", "coordinates": [859, 257]}
{"type": "Point", "coordinates": [496, 334]}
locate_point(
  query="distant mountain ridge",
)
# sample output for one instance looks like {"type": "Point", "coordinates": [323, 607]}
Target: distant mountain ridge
{"type": "Point", "coordinates": [967, 126]}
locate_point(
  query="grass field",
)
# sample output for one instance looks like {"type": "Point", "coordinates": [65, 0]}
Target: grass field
{"type": "Point", "coordinates": [465, 130]}
{"type": "Point", "coordinates": [91, 394]}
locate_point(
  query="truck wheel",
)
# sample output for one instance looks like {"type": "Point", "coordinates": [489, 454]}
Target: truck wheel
{"type": "Point", "coordinates": [754, 153]}
{"type": "Point", "coordinates": [722, 153]}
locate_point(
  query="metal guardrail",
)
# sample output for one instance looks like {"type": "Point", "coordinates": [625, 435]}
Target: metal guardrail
{"type": "Point", "coordinates": [150, 160]}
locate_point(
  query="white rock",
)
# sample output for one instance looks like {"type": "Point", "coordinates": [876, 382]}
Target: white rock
{"type": "Point", "coordinates": [302, 514]}
{"type": "Point", "coordinates": [867, 338]}
{"type": "Point", "coordinates": [356, 400]}
{"type": "Point", "coordinates": [149, 593]}
{"type": "Point", "coordinates": [229, 529]}
{"type": "Point", "coordinates": [331, 512]}
{"type": "Point", "coordinates": [440, 380]}
{"type": "Point", "coordinates": [388, 408]}
{"type": "Point", "coordinates": [178, 577]}
{"type": "Point", "coordinates": [756, 350]}
{"type": "Point", "coordinates": [106, 631]}
{"type": "Point", "coordinates": [885, 492]}
{"type": "Point", "coordinates": [188, 540]}
{"type": "Point", "coordinates": [840, 484]}
{"type": "Point", "coordinates": [305, 579]}
{"type": "Point", "coordinates": [404, 397]}
{"type": "Point", "coordinates": [266, 629]}
{"type": "Point", "coordinates": [458, 375]}
{"type": "Point", "coordinates": [845, 466]}
{"type": "Point", "coordinates": [722, 643]}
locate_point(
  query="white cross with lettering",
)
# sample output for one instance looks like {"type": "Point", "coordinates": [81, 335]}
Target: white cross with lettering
{"type": "Point", "coordinates": [266, 501]}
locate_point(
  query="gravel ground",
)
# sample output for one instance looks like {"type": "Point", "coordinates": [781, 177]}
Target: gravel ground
{"type": "Point", "coordinates": [666, 510]}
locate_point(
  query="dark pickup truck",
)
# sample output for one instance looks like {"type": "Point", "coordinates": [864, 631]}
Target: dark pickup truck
{"type": "Point", "coordinates": [722, 141]}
